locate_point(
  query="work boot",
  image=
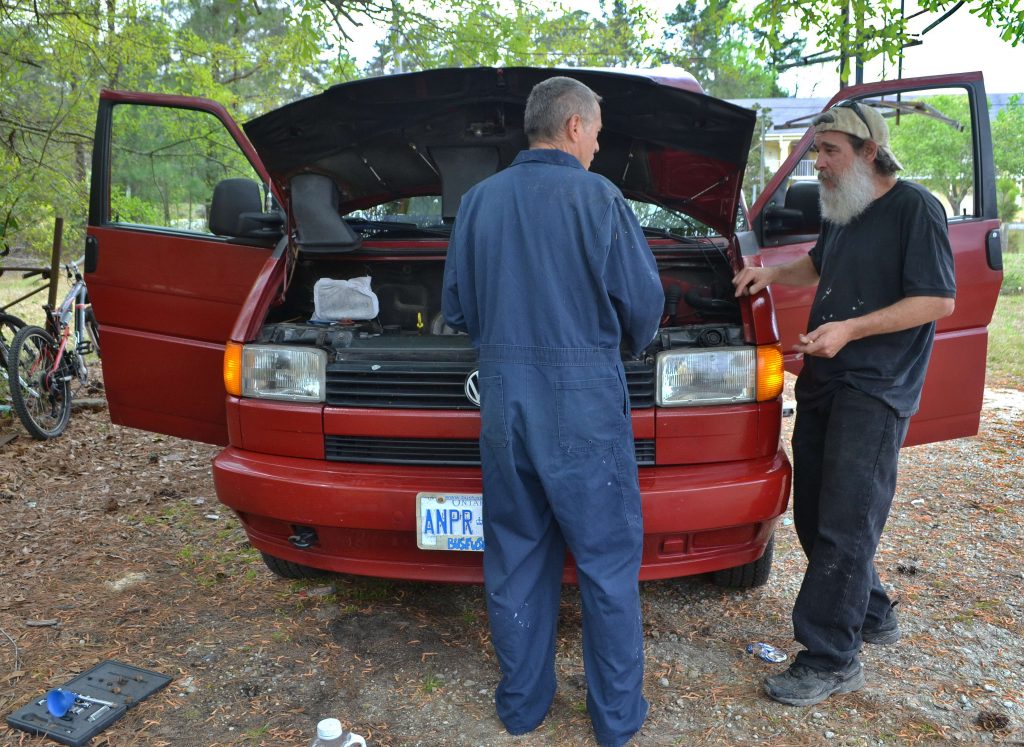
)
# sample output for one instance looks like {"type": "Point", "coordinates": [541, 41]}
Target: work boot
{"type": "Point", "coordinates": [800, 685]}
{"type": "Point", "coordinates": [885, 633]}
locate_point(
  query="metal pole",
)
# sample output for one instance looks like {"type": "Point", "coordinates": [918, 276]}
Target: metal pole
{"type": "Point", "coordinates": [58, 233]}
{"type": "Point", "coordinates": [761, 171]}
{"type": "Point", "coordinates": [844, 48]}
{"type": "Point", "coordinates": [860, 45]}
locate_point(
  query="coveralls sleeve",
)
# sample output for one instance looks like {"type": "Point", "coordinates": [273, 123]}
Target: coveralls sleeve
{"type": "Point", "coordinates": [631, 277]}
{"type": "Point", "coordinates": [451, 306]}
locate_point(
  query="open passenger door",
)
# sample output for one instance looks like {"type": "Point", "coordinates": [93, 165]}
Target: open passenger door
{"type": "Point", "coordinates": [166, 289]}
{"type": "Point", "coordinates": [939, 128]}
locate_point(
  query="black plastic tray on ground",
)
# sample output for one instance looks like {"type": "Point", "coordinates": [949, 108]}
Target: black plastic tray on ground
{"type": "Point", "coordinates": [121, 685]}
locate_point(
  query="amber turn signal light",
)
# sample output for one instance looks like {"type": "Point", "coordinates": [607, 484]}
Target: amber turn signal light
{"type": "Point", "coordinates": [233, 368]}
{"type": "Point", "coordinates": [770, 372]}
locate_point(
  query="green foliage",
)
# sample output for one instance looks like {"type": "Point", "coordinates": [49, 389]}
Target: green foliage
{"type": "Point", "coordinates": [1008, 139]}
{"type": "Point", "coordinates": [56, 55]}
{"type": "Point", "coordinates": [431, 683]}
{"type": "Point", "coordinates": [935, 154]}
{"type": "Point", "coordinates": [165, 163]}
{"type": "Point", "coordinates": [940, 157]}
{"type": "Point", "coordinates": [716, 41]}
{"type": "Point", "coordinates": [466, 33]}
{"type": "Point", "coordinates": [132, 209]}
{"type": "Point", "coordinates": [1007, 196]}
{"type": "Point", "coordinates": [870, 28]}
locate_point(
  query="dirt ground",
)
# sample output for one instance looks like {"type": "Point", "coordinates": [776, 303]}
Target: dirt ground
{"type": "Point", "coordinates": [116, 548]}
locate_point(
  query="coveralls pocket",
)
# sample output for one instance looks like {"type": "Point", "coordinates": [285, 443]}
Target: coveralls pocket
{"type": "Point", "coordinates": [492, 412]}
{"type": "Point", "coordinates": [591, 413]}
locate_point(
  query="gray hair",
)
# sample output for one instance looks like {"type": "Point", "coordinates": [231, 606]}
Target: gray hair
{"type": "Point", "coordinates": [885, 164]}
{"type": "Point", "coordinates": [552, 102]}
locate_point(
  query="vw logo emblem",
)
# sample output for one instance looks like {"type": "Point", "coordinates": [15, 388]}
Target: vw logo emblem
{"type": "Point", "coordinates": [472, 387]}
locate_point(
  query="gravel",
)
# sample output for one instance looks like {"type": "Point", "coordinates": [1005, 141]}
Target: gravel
{"type": "Point", "coordinates": [108, 541]}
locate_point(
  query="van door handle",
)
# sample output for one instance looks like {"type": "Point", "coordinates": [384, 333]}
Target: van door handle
{"type": "Point", "coordinates": [92, 253]}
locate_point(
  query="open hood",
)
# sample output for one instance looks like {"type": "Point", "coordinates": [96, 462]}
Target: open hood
{"type": "Point", "coordinates": [440, 131]}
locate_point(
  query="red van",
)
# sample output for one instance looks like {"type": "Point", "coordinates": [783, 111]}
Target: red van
{"type": "Point", "coordinates": [350, 440]}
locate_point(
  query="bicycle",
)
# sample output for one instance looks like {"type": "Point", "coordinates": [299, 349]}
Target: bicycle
{"type": "Point", "coordinates": [9, 326]}
{"type": "Point", "coordinates": [42, 363]}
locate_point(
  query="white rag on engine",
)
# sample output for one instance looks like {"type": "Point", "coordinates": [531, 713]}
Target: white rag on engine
{"type": "Point", "coordinates": [334, 300]}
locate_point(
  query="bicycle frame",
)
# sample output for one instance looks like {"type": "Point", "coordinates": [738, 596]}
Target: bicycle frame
{"type": "Point", "coordinates": [59, 323]}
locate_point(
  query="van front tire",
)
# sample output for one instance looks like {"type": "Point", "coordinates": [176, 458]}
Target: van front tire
{"type": "Point", "coordinates": [750, 575]}
{"type": "Point", "coordinates": [290, 570]}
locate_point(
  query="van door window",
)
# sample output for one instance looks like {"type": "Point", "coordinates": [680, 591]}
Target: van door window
{"type": "Point", "coordinates": [164, 165]}
{"type": "Point", "coordinates": [930, 132]}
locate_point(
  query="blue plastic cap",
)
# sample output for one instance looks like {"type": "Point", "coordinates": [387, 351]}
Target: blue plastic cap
{"type": "Point", "coordinates": [59, 701]}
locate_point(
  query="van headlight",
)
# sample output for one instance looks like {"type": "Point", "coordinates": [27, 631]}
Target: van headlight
{"type": "Point", "coordinates": [281, 372]}
{"type": "Point", "coordinates": [715, 376]}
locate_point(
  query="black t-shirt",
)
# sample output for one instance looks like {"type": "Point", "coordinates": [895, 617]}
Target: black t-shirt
{"type": "Point", "coordinates": [898, 247]}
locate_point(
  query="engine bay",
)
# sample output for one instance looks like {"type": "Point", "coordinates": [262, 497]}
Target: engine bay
{"type": "Point", "coordinates": [700, 310]}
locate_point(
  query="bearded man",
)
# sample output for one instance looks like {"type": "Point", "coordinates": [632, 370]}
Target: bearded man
{"type": "Point", "coordinates": [884, 270]}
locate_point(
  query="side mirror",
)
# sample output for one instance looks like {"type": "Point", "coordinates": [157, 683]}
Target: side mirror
{"type": "Point", "coordinates": [237, 211]}
{"type": "Point", "coordinates": [801, 214]}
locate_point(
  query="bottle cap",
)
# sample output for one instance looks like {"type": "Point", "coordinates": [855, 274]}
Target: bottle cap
{"type": "Point", "coordinates": [329, 728]}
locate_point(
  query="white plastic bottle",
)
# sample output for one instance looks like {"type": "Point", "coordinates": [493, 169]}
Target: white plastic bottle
{"type": "Point", "coordinates": [330, 734]}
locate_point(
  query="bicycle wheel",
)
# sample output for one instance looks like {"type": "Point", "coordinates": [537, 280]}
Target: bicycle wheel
{"type": "Point", "coordinates": [9, 326]}
{"type": "Point", "coordinates": [39, 394]}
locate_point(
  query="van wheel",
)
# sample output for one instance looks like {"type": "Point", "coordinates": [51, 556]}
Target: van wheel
{"type": "Point", "coordinates": [290, 570]}
{"type": "Point", "coordinates": [750, 575]}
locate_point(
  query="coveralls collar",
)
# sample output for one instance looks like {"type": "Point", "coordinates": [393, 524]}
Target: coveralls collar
{"type": "Point", "coordinates": [548, 155]}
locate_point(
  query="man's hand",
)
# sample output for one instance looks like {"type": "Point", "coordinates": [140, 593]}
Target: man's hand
{"type": "Point", "coordinates": [826, 341]}
{"type": "Point", "coordinates": [751, 280]}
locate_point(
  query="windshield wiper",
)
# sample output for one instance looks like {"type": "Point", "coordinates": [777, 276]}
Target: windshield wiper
{"type": "Point", "coordinates": [377, 227]}
{"type": "Point", "coordinates": [668, 234]}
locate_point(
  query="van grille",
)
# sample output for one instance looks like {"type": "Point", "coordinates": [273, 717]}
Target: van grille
{"type": "Point", "coordinates": [436, 386]}
{"type": "Point", "coordinates": [434, 452]}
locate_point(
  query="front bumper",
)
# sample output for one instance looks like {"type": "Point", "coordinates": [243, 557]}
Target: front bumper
{"type": "Point", "coordinates": [697, 518]}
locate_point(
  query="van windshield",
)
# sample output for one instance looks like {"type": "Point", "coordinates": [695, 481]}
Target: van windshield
{"type": "Point", "coordinates": [421, 216]}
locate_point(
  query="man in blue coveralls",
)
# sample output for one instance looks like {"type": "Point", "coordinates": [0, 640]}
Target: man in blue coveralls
{"type": "Point", "coordinates": [549, 272]}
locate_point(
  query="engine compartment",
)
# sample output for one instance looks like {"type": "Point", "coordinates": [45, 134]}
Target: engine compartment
{"type": "Point", "coordinates": [700, 310]}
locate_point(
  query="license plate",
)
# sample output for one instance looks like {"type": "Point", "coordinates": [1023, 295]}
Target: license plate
{"type": "Point", "coordinates": [450, 521]}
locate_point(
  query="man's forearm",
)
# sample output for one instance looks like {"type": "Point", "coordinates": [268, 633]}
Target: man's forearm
{"type": "Point", "coordinates": [751, 280]}
{"type": "Point", "coordinates": [912, 311]}
{"type": "Point", "coordinates": [828, 339]}
{"type": "Point", "coordinates": [798, 272]}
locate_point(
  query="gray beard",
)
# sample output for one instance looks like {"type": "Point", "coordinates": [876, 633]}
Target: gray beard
{"type": "Point", "coordinates": [851, 194]}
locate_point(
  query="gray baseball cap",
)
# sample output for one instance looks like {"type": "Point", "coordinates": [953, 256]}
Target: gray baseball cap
{"type": "Point", "coordinates": [858, 120]}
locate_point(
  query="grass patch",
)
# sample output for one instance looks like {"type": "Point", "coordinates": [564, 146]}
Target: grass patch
{"type": "Point", "coordinates": [1013, 274]}
{"type": "Point", "coordinates": [14, 286]}
{"type": "Point", "coordinates": [1005, 346]}
{"type": "Point", "coordinates": [257, 734]}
